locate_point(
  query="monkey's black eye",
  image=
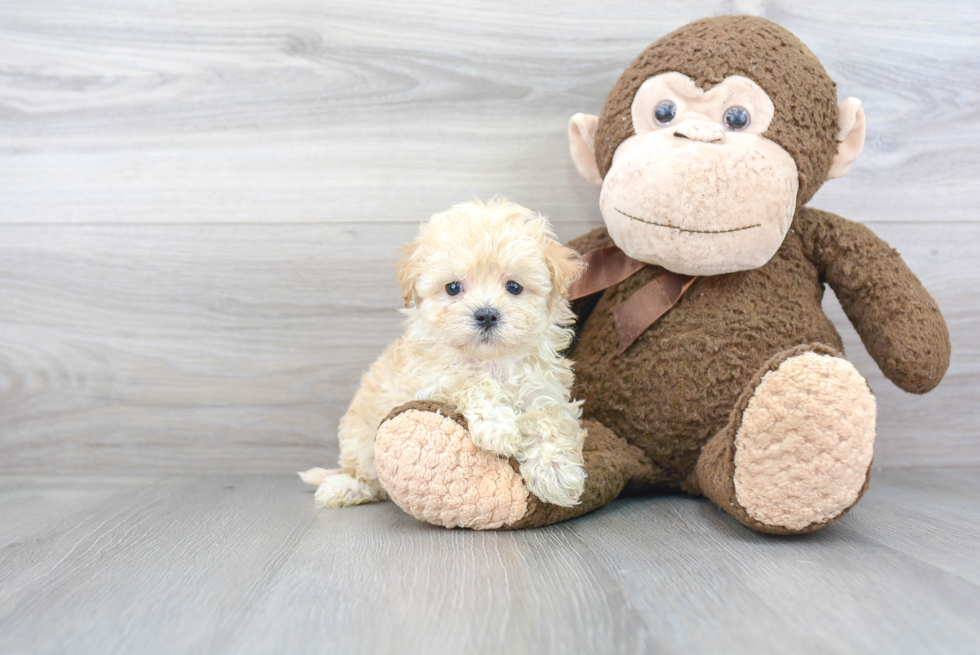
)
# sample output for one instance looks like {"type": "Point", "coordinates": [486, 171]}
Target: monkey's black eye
{"type": "Point", "coordinates": [514, 288]}
{"type": "Point", "coordinates": [737, 118]}
{"type": "Point", "coordinates": [453, 288]}
{"type": "Point", "coordinates": [665, 112]}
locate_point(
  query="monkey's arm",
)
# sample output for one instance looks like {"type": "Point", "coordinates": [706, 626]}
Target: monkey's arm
{"type": "Point", "coordinates": [898, 321]}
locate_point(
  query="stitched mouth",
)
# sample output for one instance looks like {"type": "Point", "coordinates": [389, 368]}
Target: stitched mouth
{"type": "Point", "coordinates": [681, 229]}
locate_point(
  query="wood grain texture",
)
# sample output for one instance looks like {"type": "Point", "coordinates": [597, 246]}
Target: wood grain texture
{"type": "Point", "coordinates": [233, 347]}
{"type": "Point", "coordinates": [300, 111]}
{"type": "Point", "coordinates": [199, 203]}
{"type": "Point", "coordinates": [245, 564]}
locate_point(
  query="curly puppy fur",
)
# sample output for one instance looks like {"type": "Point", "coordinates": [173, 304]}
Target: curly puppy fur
{"type": "Point", "coordinates": [509, 381]}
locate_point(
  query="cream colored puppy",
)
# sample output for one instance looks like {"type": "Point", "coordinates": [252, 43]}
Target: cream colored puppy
{"type": "Point", "coordinates": [485, 288]}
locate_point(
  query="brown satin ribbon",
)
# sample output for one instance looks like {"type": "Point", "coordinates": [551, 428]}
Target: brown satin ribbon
{"type": "Point", "coordinates": [644, 307]}
{"type": "Point", "coordinates": [604, 268]}
{"type": "Point", "coordinates": [610, 266]}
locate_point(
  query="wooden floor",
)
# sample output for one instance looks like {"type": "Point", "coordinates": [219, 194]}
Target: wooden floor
{"type": "Point", "coordinates": [245, 564]}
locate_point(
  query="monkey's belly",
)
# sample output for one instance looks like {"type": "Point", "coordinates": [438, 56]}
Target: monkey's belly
{"type": "Point", "coordinates": [675, 387]}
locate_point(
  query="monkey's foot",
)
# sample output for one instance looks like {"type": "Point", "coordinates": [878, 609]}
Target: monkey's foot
{"type": "Point", "coordinates": [429, 466]}
{"type": "Point", "coordinates": [796, 454]}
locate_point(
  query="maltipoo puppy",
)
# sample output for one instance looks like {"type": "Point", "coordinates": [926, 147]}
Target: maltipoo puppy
{"type": "Point", "coordinates": [485, 288]}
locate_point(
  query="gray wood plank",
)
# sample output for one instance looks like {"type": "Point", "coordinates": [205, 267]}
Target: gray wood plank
{"type": "Point", "coordinates": [245, 564]}
{"type": "Point", "coordinates": [705, 584]}
{"type": "Point", "coordinates": [372, 111]}
{"type": "Point", "coordinates": [930, 516]}
{"type": "Point", "coordinates": [237, 348]}
{"type": "Point", "coordinates": [168, 567]}
{"type": "Point", "coordinates": [32, 504]}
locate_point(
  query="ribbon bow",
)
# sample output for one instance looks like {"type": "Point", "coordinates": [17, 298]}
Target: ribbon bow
{"type": "Point", "coordinates": [609, 266]}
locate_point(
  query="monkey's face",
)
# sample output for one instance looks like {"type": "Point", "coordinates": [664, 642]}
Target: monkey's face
{"type": "Point", "coordinates": [698, 189]}
{"type": "Point", "coordinates": [703, 168]}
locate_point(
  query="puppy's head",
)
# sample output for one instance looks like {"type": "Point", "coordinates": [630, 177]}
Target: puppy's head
{"type": "Point", "coordinates": [488, 279]}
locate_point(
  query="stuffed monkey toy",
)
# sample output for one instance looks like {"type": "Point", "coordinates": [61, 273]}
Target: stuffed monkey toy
{"type": "Point", "coordinates": [705, 361]}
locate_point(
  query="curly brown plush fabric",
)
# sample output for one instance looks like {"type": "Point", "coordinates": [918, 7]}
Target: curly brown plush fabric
{"type": "Point", "coordinates": [429, 406]}
{"type": "Point", "coordinates": [708, 51]}
{"type": "Point", "coordinates": [898, 321]}
{"type": "Point", "coordinates": [675, 387]}
{"type": "Point", "coordinates": [703, 355]}
{"type": "Point", "coordinates": [611, 465]}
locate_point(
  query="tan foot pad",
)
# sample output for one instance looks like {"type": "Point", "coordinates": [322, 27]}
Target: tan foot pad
{"type": "Point", "coordinates": [805, 445]}
{"type": "Point", "coordinates": [429, 467]}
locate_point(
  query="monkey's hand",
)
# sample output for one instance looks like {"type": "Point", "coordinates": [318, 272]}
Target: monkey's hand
{"type": "Point", "coordinates": [898, 321]}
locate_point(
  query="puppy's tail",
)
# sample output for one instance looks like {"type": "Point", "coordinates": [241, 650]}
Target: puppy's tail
{"type": "Point", "coordinates": [316, 476]}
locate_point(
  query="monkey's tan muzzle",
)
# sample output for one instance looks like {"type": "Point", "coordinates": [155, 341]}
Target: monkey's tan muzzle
{"type": "Point", "coordinates": [703, 131]}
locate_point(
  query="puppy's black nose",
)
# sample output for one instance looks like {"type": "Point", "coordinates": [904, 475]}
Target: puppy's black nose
{"type": "Point", "coordinates": [486, 318]}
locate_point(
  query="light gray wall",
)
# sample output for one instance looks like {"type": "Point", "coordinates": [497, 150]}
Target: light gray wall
{"type": "Point", "coordinates": [200, 202]}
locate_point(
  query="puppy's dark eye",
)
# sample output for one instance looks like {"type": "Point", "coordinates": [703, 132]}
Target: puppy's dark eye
{"type": "Point", "coordinates": [737, 118]}
{"type": "Point", "coordinates": [665, 112]}
{"type": "Point", "coordinates": [453, 288]}
{"type": "Point", "coordinates": [513, 287]}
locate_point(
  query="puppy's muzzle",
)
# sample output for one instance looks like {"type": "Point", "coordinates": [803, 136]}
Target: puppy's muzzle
{"type": "Point", "coordinates": [486, 318]}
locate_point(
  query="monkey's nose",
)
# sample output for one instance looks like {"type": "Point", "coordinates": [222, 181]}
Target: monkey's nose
{"type": "Point", "coordinates": [703, 131]}
{"type": "Point", "coordinates": [486, 318]}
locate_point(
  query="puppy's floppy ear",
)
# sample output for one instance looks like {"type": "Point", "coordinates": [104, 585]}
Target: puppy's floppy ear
{"type": "Point", "coordinates": [408, 269]}
{"type": "Point", "coordinates": [565, 266]}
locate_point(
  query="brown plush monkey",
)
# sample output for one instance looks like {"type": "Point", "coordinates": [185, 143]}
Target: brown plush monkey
{"type": "Point", "coordinates": [704, 358]}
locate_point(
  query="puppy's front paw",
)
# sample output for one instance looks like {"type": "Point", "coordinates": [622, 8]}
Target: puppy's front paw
{"type": "Point", "coordinates": [342, 490]}
{"type": "Point", "coordinates": [496, 431]}
{"type": "Point", "coordinates": [557, 478]}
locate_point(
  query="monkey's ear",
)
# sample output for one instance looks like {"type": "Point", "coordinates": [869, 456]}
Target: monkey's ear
{"type": "Point", "coordinates": [581, 141]}
{"type": "Point", "coordinates": [565, 267]}
{"type": "Point", "coordinates": [408, 272]}
{"type": "Point", "coordinates": [850, 139]}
